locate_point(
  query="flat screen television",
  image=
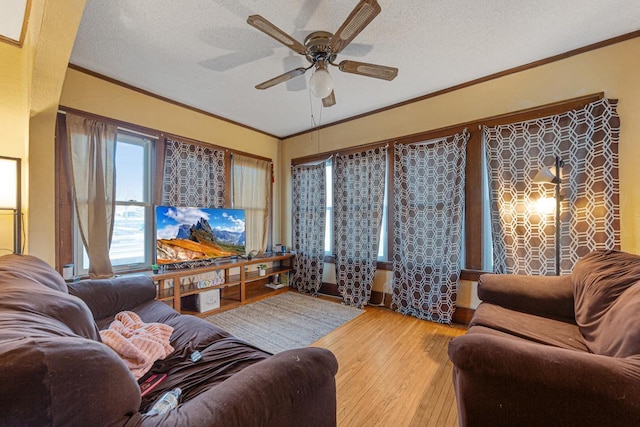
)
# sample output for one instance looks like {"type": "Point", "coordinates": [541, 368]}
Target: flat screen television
{"type": "Point", "coordinates": [186, 235]}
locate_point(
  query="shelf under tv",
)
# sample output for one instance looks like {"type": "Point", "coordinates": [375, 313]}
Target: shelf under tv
{"type": "Point", "coordinates": [242, 282]}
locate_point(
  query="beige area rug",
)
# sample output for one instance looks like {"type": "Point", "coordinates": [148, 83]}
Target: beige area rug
{"type": "Point", "coordinates": [285, 321]}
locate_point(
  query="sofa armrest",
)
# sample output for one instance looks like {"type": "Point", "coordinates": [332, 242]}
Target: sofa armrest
{"type": "Point", "coordinates": [292, 388]}
{"type": "Point", "coordinates": [502, 381]}
{"type": "Point", "coordinates": [64, 381]}
{"type": "Point", "coordinates": [550, 296]}
{"type": "Point", "coordinates": [108, 297]}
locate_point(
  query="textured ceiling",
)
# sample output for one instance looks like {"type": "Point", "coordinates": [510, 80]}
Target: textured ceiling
{"type": "Point", "coordinates": [203, 53]}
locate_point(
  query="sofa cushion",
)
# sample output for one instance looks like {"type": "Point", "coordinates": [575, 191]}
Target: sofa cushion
{"type": "Point", "coordinates": [528, 327]}
{"type": "Point", "coordinates": [30, 308]}
{"type": "Point", "coordinates": [55, 370]}
{"type": "Point", "coordinates": [189, 332]}
{"type": "Point", "coordinates": [620, 337]}
{"type": "Point", "coordinates": [548, 296]}
{"type": "Point", "coordinates": [221, 359]}
{"type": "Point", "coordinates": [607, 302]}
{"type": "Point", "coordinates": [64, 381]}
{"type": "Point", "coordinates": [107, 297]}
{"type": "Point", "coordinates": [30, 312]}
{"type": "Point", "coordinates": [31, 268]}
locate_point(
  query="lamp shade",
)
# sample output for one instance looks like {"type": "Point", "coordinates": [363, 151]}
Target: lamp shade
{"type": "Point", "coordinates": [544, 176]}
{"type": "Point", "coordinates": [9, 180]}
{"type": "Point", "coordinates": [321, 83]}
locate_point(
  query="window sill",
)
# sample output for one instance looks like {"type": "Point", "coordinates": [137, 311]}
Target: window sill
{"type": "Point", "coordinates": [381, 265]}
{"type": "Point", "coordinates": [472, 275]}
{"type": "Point", "coordinates": [465, 274]}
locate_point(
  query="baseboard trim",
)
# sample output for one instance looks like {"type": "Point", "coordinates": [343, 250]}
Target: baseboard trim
{"type": "Point", "coordinates": [461, 315]}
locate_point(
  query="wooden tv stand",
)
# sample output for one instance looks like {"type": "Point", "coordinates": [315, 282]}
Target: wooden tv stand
{"type": "Point", "coordinates": [242, 282]}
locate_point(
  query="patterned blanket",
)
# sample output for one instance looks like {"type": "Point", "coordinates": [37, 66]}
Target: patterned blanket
{"type": "Point", "coordinates": [139, 344]}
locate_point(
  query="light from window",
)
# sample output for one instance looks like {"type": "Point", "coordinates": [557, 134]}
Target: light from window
{"type": "Point", "coordinates": [128, 244]}
{"type": "Point", "coordinates": [383, 246]}
{"type": "Point", "coordinates": [328, 228]}
{"type": "Point", "coordinates": [487, 244]}
{"type": "Point", "coordinates": [251, 189]}
{"type": "Point", "coordinates": [131, 243]}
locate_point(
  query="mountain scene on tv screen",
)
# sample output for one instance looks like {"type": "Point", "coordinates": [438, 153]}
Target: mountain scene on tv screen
{"type": "Point", "coordinates": [189, 234]}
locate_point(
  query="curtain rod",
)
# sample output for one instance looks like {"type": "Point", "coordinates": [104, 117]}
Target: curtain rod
{"type": "Point", "coordinates": [313, 162]}
{"type": "Point", "coordinates": [63, 112]}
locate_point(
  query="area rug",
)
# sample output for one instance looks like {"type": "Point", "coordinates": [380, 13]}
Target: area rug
{"type": "Point", "coordinates": [283, 322]}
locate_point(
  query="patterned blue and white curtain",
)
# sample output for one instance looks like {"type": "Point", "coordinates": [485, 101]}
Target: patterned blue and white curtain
{"type": "Point", "coordinates": [358, 199]}
{"type": "Point", "coordinates": [194, 175]}
{"type": "Point", "coordinates": [308, 183]}
{"type": "Point", "coordinates": [523, 235]}
{"type": "Point", "coordinates": [429, 181]}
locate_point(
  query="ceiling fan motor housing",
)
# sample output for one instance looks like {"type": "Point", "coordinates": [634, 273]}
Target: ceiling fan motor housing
{"type": "Point", "coordinates": [317, 44]}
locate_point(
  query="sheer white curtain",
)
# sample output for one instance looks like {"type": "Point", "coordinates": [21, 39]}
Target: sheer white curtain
{"type": "Point", "coordinates": [252, 192]}
{"type": "Point", "coordinates": [358, 199]}
{"type": "Point", "coordinates": [308, 197]}
{"type": "Point", "coordinates": [523, 236]}
{"type": "Point", "coordinates": [429, 181]}
{"type": "Point", "coordinates": [92, 151]}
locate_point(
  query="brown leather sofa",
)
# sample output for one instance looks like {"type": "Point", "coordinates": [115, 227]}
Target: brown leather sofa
{"type": "Point", "coordinates": [54, 369]}
{"type": "Point", "coordinates": [553, 351]}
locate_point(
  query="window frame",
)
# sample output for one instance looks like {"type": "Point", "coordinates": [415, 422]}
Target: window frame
{"type": "Point", "coordinates": [147, 142]}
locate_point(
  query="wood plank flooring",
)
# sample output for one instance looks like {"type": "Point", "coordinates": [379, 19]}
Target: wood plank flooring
{"type": "Point", "coordinates": [393, 370]}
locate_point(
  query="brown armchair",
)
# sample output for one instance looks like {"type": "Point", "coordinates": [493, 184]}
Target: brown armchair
{"type": "Point", "coordinates": [553, 350]}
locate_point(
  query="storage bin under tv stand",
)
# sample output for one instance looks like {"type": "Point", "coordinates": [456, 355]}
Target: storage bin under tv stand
{"type": "Point", "coordinates": [245, 287]}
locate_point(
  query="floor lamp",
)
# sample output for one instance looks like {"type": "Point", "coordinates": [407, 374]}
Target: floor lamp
{"type": "Point", "coordinates": [10, 196]}
{"type": "Point", "coordinates": [547, 176]}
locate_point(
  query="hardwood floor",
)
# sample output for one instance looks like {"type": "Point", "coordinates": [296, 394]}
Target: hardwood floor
{"type": "Point", "coordinates": [393, 370]}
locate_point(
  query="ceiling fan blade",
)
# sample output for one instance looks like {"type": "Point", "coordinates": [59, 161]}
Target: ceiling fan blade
{"type": "Point", "coordinates": [282, 78]}
{"type": "Point", "coordinates": [271, 30]}
{"type": "Point", "coordinates": [369, 70]}
{"type": "Point", "coordinates": [360, 17]}
{"type": "Point", "coordinates": [330, 100]}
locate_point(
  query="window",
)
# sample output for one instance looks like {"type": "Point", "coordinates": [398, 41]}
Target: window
{"type": "Point", "coordinates": [478, 246]}
{"type": "Point", "coordinates": [252, 192]}
{"type": "Point", "coordinates": [131, 244]}
{"type": "Point", "coordinates": [487, 245]}
{"type": "Point", "coordinates": [328, 235]}
{"type": "Point", "coordinates": [138, 187]}
{"type": "Point", "coordinates": [383, 247]}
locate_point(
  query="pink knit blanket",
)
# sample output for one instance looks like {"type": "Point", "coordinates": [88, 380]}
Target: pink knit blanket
{"type": "Point", "coordinates": [139, 344]}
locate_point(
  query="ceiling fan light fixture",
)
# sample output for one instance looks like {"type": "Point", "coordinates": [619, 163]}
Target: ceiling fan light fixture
{"type": "Point", "coordinates": [321, 83]}
{"type": "Point", "coordinates": [320, 48]}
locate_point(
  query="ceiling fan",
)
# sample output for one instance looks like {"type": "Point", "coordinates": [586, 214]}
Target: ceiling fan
{"type": "Point", "coordinates": [321, 48]}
